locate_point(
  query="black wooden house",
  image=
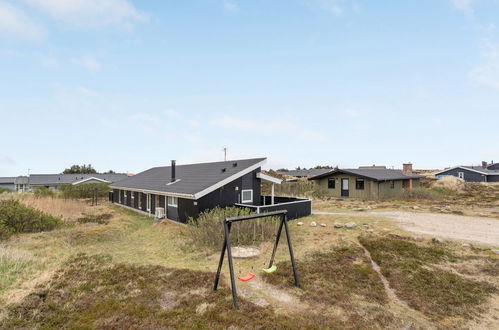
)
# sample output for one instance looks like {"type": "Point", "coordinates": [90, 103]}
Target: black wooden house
{"type": "Point", "coordinates": [178, 192]}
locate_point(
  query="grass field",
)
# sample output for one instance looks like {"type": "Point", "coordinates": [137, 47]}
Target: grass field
{"type": "Point", "coordinates": [129, 271]}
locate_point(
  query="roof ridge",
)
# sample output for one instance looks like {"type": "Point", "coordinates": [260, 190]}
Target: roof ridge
{"type": "Point", "coordinates": [217, 162]}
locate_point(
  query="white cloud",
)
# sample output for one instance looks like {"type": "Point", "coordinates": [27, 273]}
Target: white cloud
{"type": "Point", "coordinates": [49, 62]}
{"type": "Point", "coordinates": [91, 13]}
{"type": "Point", "coordinates": [194, 124]}
{"type": "Point", "coordinates": [13, 22]}
{"type": "Point", "coordinates": [270, 127]}
{"type": "Point", "coordinates": [487, 73]}
{"type": "Point", "coordinates": [352, 113]}
{"type": "Point", "coordinates": [466, 6]}
{"type": "Point", "coordinates": [231, 5]}
{"type": "Point", "coordinates": [437, 122]}
{"type": "Point", "coordinates": [335, 7]}
{"type": "Point", "coordinates": [88, 62]}
{"type": "Point", "coordinates": [171, 113]}
{"type": "Point", "coordinates": [4, 159]}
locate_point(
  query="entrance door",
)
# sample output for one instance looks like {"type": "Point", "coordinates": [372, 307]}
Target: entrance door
{"type": "Point", "coordinates": [344, 188]}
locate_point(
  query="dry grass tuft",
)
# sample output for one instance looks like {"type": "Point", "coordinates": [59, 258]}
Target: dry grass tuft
{"type": "Point", "coordinates": [442, 295]}
{"type": "Point", "coordinates": [12, 262]}
{"type": "Point", "coordinates": [69, 209]}
{"type": "Point", "coordinates": [450, 183]}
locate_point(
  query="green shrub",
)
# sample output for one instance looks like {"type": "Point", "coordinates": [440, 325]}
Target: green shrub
{"type": "Point", "coordinates": [207, 229]}
{"type": "Point", "coordinates": [85, 190]}
{"type": "Point", "coordinates": [43, 191]}
{"type": "Point", "coordinates": [5, 190]}
{"type": "Point", "coordinates": [18, 218]}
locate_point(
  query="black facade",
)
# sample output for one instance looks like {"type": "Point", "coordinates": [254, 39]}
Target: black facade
{"type": "Point", "coordinates": [295, 207]}
{"type": "Point", "coordinates": [469, 175]}
{"type": "Point", "coordinates": [227, 195]}
{"type": "Point", "coordinates": [493, 178]}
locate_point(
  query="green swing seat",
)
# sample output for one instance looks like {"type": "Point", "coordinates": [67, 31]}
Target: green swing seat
{"type": "Point", "coordinates": [270, 270]}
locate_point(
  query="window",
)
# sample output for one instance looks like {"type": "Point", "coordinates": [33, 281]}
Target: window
{"type": "Point", "coordinates": [172, 201]}
{"type": "Point", "coordinates": [359, 184]}
{"type": "Point", "coordinates": [460, 175]}
{"type": "Point", "coordinates": [331, 183]}
{"type": "Point", "coordinates": [392, 184]}
{"type": "Point", "coordinates": [247, 196]}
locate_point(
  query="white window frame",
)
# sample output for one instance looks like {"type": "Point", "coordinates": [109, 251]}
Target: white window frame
{"type": "Point", "coordinates": [460, 175]}
{"type": "Point", "coordinates": [172, 201]}
{"type": "Point", "coordinates": [140, 200]}
{"type": "Point", "coordinates": [246, 200]}
{"type": "Point", "coordinates": [119, 196]}
{"type": "Point", "coordinates": [148, 205]}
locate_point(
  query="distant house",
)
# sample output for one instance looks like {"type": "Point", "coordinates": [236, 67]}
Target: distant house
{"type": "Point", "coordinates": [368, 182]}
{"type": "Point", "coordinates": [493, 166]}
{"type": "Point", "coordinates": [19, 183]}
{"type": "Point", "coordinates": [293, 175]}
{"type": "Point", "coordinates": [178, 192]}
{"type": "Point", "coordinates": [484, 173]}
{"type": "Point", "coordinates": [8, 183]}
{"type": "Point", "coordinates": [54, 181]}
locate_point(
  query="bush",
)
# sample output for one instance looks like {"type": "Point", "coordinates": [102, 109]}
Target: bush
{"type": "Point", "coordinates": [207, 229]}
{"type": "Point", "coordinates": [5, 190]}
{"type": "Point", "coordinates": [85, 190]}
{"type": "Point", "coordinates": [43, 191]}
{"type": "Point", "coordinates": [17, 218]}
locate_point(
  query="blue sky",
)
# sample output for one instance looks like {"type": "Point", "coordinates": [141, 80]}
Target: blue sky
{"type": "Point", "coordinates": [128, 84]}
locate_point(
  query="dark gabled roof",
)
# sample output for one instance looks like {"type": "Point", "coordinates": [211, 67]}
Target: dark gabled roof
{"type": "Point", "coordinates": [304, 173]}
{"type": "Point", "coordinates": [482, 170]}
{"type": "Point", "coordinates": [193, 180]}
{"type": "Point", "coordinates": [51, 179]}
{"type": "Point", "coordinates": [7, 179]}
{"type": "Point", "coordinates": [478, 169]}
{"type": "Point", "coordinates": [373, 174]}
{"type": "Point", "coordinates": [493, 166]}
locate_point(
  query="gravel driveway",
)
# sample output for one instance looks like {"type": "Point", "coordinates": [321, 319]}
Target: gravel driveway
{"type": "Point", "coordinates": [477, 229]}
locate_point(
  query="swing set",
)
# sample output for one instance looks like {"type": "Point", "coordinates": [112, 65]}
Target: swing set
{"type": "Point", "coordinates": [271, 267]}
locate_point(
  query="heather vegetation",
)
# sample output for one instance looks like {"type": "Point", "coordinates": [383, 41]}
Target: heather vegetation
{"type": "Point", "coordinates": [113, 268]}
{"type": "Point", "coordinates": [412, 269]}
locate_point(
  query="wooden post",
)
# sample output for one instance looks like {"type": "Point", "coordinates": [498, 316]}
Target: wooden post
{"type": "Point", "coordinates": [272, 202]}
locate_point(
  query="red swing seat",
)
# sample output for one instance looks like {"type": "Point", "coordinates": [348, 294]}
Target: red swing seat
{"type": "Point", "coordinates": [246, 278]}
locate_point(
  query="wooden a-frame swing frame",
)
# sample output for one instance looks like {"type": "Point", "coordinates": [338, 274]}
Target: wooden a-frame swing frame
{"type": "Point", "coordinates": [227, 247]}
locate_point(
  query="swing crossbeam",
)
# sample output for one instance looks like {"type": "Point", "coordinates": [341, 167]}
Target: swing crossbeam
{"type": "Point", "coordinates": [227, 247]}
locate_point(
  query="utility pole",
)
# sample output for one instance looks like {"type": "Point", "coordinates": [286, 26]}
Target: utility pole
{"type": "Point", "coordinates": [225, 154]}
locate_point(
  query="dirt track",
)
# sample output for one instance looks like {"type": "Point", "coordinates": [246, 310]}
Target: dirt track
{"type": "Point", "coordinates": [477, 229]}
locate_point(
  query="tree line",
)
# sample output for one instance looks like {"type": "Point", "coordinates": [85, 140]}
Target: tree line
{"type": "Point", "coordinates": [84, 169]}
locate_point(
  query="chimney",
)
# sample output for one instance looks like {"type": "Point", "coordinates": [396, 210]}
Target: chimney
{"type": "Point", "coordinates": [484, 164]}
{"type": "Point", "coordinates": [407, 169]}
{"type": "Point", "coordinates": [173, 171]}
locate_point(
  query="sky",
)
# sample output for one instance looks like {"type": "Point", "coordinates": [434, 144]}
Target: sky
{"type": "Point", "coordinates": [128, 85]}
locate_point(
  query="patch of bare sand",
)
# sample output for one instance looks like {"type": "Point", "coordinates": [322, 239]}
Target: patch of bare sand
{"type": "Point", "coordinates": [475, 229]}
